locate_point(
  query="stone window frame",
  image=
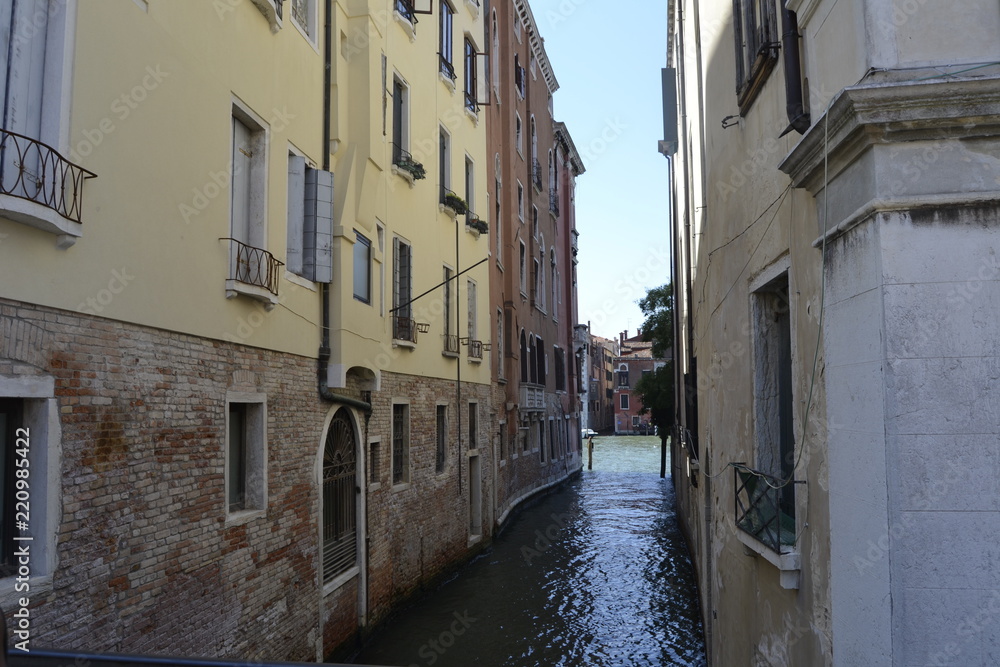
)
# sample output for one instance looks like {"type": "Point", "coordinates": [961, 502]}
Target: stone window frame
{"type": "Point", "coordinates": [404, 481]}
{"type": "Point", "coordinates": [255, 448]}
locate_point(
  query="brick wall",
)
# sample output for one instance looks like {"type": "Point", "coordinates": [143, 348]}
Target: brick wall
{"type": "Point", "coordinates": [146, 563]}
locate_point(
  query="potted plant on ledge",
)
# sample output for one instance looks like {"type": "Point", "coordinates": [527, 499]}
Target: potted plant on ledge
{"type": "Point", "coordinates": [411, 167]}
{"type": "Point", "coordinates": [476, 225]}
{"type": "Point", "coordinates": [455, 203]}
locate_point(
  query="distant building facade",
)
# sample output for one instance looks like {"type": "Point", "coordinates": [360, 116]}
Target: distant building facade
{"type": "Point", "coordinates": [531, 172]}
{"type": "Point", "coordinates": [633, 361]}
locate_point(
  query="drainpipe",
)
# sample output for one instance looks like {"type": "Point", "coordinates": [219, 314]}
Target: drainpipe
{"type": "Point", "coordinates": [798, 117]}
{"type": "Point", "coordinates": [324, 350]}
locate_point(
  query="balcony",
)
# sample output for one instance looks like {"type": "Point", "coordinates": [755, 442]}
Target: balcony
{"type": "Point", "coordinates": [532, 398]}
{"type": "Point", "coordinates": [471, 103]}
{"type": "Point", "coordinates": [554, 203]}
{"type": "Point", "coordinates": [536, 174]}
{"type": "Point", "coordinates": [404, 329]}
{"type": "Point", "coordinates": [404, 165]}
{"type": "Point", "coordinates": [40, 188]}
{"type": "Point", "coordinates": [450, 345]}
{"type": "Point", "coordinates": [452, 204]}
{"type": "Point", "coordinates": [253, 272]}
{"type": "Point", "coordinates": [475, 349]}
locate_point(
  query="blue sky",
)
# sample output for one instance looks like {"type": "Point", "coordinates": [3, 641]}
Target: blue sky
{"type": "Point", "coordinates": [607, 58]}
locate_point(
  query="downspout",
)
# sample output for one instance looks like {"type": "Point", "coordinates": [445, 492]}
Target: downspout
{"type": "Point", "coordinates": [798, 117]}
{"type": "Point", "coordinates": [324, 350]}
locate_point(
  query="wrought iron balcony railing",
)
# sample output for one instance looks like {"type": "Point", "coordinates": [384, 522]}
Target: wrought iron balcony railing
{"type": "Point", "coordinates": [402, 159]}
{"type": "Point", "coordinates": [763, 509]}
{"type": "Point", "coordinates": [471, 103]}
{"type": "Point", "coordinates": [453, 201]}
{"type": "Point", "coordinates": [447, 68]}
{"type": "Point", "coordinates": [536, 174]}
{"type": "Point", "coordinates": [475, 349]}
{"type": "Point", "coordinates": [450, 344]}
{"type": "Point", "coordinates": [37, 172]}
{"type": "Point", "coordinates": [404, 328]}
{"type": "Point", "coordinates": [405, 9]}
{"type": "Point", "coordinates": [253, 266]}
{"type": "Point", "coordinates": [554, 202]}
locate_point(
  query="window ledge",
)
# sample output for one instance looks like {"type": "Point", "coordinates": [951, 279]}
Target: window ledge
{"type": "Point", "coordinates": [473, 360]}
{"type": "Point", "coordinates": [449, 211]}
{"type": "Point", "coordinates": [408, 344]}
{"type": "Point", "coordinates": [789, 564]}
{"type": "Point", "coordinates": [404, 174]}
{"type": "Point", "coordinates": [374, 487]}
{"type": "Point", "coordinates": [406, 25]}
{"type": "Point", "coordinates": [340, 580]}
{"type": "Point", "coordinates": [235, 288]}
{"type": "Point", "coordinates": [450, 355]}
{"type": "Point", "coordinates": [41, 217]}
{"type": "Point", "coordinates": [402, 486]}
{"type": "Point", "coordinates": [473, 6]}
{"type": "Point", "coordinates": [473, 116]}
{"type": "Point", "coordinates": [270, 12]}
{"type": "Point", "coordinates": [447, 81]}
{"type": "Point", "coordinates": [243, 516]}
{"type": "Point", "coordinates": [300, 281]}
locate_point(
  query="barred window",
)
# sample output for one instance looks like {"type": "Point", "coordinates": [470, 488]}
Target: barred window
{"type": "Point", "coordinates": [400, 443]}
{"type": "Point", "coordinates": [339, 498]}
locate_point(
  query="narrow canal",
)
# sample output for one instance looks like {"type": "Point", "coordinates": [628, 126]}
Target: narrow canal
{"type": "Point", "coordinates": [596, 574]}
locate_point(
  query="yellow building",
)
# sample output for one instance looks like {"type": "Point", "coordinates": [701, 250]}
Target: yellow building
{"type": "Point", "coordinates": [209, 242]}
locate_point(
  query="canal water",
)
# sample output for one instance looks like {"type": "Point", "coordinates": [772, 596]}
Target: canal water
{"type": "Point", "coordinates": [594, 574]}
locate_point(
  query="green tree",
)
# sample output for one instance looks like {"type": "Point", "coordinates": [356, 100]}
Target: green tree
{"type": "Point", "coordinates": [656, 389]}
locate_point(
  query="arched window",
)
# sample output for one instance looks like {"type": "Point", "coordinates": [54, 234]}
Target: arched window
{"type": "Point", "coordinates": [340, 536]}
{"type": "Point", "coordinates": [494, 63]}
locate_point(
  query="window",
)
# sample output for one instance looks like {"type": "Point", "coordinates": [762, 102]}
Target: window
{"type": "Point", "coordinates": [362, 268]}
{"type": "Point", "coordinates": [542, 289]}
{"type": "Point", "coordinates": [635, 420]}
{"type": "Point", "coordinates": [296, 213]}
{"type": "Point", "coordinates": [541, 441]}
{"type": "Point", "coordinates": [498, 346]}
{"type": "Point", "coordinates": [520, 201]}
{"type": "Point", "coordinates": [553, 274]}
{"type": "Point", "coordinates": [442, 437]}
{"type": "Point", "coordinates": [519, 78]}
{"type": "Point", "coordinates": [756, 31]}
{"type": "Point", "coordinates": [374, 462]}
{"type": "Point", "coordinates": [471, 78]}
{"type": "Point", "coordinates": [473, 426]}
{"type": "Point", "coordinates": [496, 51]}
{"type": "Point", "coordinates": [470, 187]}
{"type": "Point", "coordinates": [450, 332]}
{"type": "Point", "coordinates": [400, 123]}
{"type": "Point", "coordinates": [497, 222]}
{"type": "Point", "coordinates": [445, 43]}
{"type": "Point", "coordinates": [560, 362]}
{"type": "Point", "coordinates": [400, 443]}
{"type": "Point", "coordinates": [524, 358]}
{"type": "Point", "coordinates": [535, 170]}
{"type": "Point", "coordinates": [304, 16]}
{"type": "Point", "coordinates": [524, 282]}
{"type": "Point", "coordinates": [541, 359]}
{"type": "Point", "coordinates": [773, 396]}
{"type": "Point", "coordinates": [402, 261]}
{"type": "Point", "coordinates": [624, 401]}
{"type": "Point", "coordinates": [444, 160]}
{"type": "Point", "coordinates": [246, 453]}
{"type": "Point", "coordinates": [534, 284]}
{"type": "Point", "coordinates": [517, 134]}
{"type": "Point", "coordinates": [623, 376]}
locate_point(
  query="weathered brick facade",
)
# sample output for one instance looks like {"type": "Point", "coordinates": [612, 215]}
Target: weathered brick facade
{"type": "Point", "coordinates": [146, 562]}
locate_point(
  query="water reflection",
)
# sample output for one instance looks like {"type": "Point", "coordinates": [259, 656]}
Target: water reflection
{"type": "Point", "coordinates": [594, 574]}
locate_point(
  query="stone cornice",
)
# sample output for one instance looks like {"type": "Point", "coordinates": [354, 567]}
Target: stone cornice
{"type": "Point", "coordinates": [884, 113]}
{"type": "Point", "coordinates": [523, 9]}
